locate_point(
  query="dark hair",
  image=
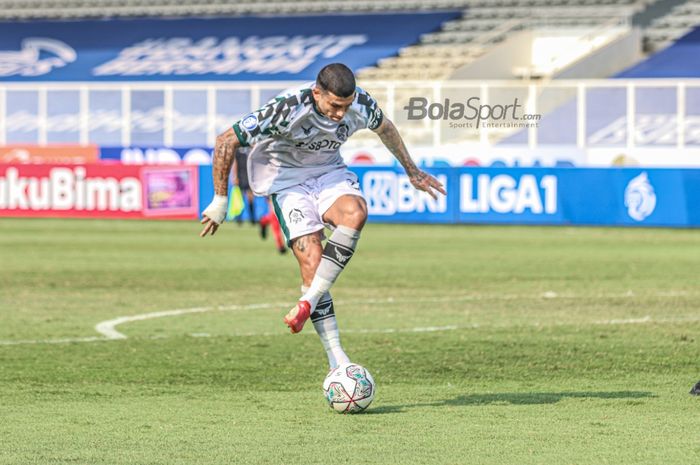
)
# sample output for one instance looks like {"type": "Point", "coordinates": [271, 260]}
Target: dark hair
{"type": "Point", "coordinates": [337, 79]}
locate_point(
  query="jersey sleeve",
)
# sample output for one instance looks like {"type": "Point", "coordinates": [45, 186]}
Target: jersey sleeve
{"type": "Point", "coordinates": [261, 124]}
{"type": "Point", "coordinates": [371, 113]}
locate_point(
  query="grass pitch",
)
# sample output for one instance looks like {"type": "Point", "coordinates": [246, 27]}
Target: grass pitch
{"type": "Point", "coordinates": [489, 345]}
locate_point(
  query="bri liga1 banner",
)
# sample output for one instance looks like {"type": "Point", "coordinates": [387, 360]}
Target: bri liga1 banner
{"type": "Point", "coordinates": [547, 196]}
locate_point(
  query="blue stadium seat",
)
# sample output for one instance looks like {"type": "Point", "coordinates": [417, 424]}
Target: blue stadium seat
{"type": "Point", "coordinates": [679, 60]}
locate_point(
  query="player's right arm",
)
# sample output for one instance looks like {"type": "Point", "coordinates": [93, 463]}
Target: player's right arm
{"type": "Point", "coordinates": [224, 150]}
{"type": "Point", "coordinates": [376, 121]}
{"type": "Point", "coordinates": [392, 140]}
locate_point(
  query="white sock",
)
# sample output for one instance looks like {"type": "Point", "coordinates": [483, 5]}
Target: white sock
{"type": "Point", "coordinates": [326, 325]}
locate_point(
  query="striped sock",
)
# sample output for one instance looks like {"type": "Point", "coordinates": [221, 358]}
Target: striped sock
{"type": "Point", "coordinates": [323, 318]}
{"type": "Point", "coordinates": [336, 254]}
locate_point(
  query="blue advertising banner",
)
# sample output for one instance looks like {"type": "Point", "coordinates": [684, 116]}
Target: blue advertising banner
{"type": "Point", "coordinates": [508, 196]}
{"type": "Point", "coordinates": [157, 155]}
{"type": "Point", "coordinates": [624, 197]}
{"type": "Point", "coordinates": [546, 196]}
{"type": "Point", "coordinates": [240, 48]}
{"type": "Point", "coordinates": [391, 197]}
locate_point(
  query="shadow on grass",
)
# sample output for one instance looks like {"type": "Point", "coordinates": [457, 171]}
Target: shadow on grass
{"type": "Point", "coordinates": [513, 398]}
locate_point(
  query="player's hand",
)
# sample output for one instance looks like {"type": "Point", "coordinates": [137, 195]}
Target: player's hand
{"type": "Point", "coordinates": [209, 226]}
{"type": "Point", "coordinates": [427, 183]}
{"type": "Point", "coordinates": [214, 215]}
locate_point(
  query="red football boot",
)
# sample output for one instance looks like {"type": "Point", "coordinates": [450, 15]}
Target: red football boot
{"type": "Point", "coordinates": [297, 316]}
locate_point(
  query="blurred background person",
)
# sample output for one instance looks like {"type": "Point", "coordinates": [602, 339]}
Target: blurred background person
{"type": "Point", "coordinates": [240, 179]}
{"type": "Point", "coordinates": [270, 220]}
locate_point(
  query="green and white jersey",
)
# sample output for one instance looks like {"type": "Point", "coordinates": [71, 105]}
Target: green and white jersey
{"type": "Point", "coordinates": [293, 142]}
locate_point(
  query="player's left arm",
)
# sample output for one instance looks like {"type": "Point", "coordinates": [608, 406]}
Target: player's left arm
{"type": "Point", "coordinates": [392, 140]}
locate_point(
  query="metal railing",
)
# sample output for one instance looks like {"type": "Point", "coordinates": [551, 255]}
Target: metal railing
{"type": "Point", "coordinates": [573, 113]}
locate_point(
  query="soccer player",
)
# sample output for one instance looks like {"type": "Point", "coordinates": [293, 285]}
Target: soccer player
{"type": "Point", "coordinates": [296, 160]}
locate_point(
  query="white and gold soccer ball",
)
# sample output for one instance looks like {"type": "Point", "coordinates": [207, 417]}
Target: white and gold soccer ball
{"type": "Point", "coordinates": [349, 388]}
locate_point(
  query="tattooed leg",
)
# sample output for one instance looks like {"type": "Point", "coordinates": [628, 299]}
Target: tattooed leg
{"type": "Point", "coordinates": [308, 250]}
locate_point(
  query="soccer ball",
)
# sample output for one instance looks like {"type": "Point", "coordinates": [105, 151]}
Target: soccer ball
{"type": "Point", "coordinates": [349, 388]}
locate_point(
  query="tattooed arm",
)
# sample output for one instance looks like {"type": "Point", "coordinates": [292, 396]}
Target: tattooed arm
{"type": "Point", "coordinates": [226, 145]}
{"type": "Point", "coordinates": [392, 140]}
{"type": "Point", "coordinates": [215, 213]}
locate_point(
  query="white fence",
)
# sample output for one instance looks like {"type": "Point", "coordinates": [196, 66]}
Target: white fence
{"type": "Point", "coordinates": [582, 114]}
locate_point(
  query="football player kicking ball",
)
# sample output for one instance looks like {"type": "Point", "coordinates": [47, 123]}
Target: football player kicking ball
{"type": "Point", "coordinates": [296, 161]}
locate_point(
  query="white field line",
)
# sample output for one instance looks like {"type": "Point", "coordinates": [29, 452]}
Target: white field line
{"type": "Point", "coordinates": [66, 340]}
{"type": "Point", "coordinates": [108, 332]}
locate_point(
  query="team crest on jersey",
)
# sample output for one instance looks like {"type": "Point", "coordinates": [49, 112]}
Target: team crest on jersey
{"type": "Point", "coordinates": [295, 216]}
{"type": "Point", "coordinates": [342, 132]}
{"type": "Point", "coordinates": [250, 122]}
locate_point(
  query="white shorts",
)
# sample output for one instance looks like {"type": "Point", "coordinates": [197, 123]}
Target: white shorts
{"type": "Point", "coordinates": [300, 208]}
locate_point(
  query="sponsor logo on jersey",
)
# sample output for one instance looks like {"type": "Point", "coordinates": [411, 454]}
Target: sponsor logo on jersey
{"type": "Point", "coordinates": [640, 198]}
{"type": "Point", "coordinates": [325, 144]}
{"type": "Point", "coordinates": [250, 122]}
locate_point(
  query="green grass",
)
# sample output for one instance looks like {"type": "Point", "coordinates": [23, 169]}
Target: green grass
{"type": "Point", "coordinates": [549, 346]}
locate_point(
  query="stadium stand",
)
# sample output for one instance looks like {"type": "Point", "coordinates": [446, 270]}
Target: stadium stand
{"type": "Point", "coordinates": [459, 42]}
{"type": "Point", "coordinates": [488, 22]}
{"type": "Point", "coordinates": [103, 8]}
{"type": "Point", "coordinates": [13, 9]}
{"type": "Point", "coordinates": [664, 30]}
{"type": "Point", "coordinates": [655, 105]}
{"type": "Point", "coordinates": [680, 59]}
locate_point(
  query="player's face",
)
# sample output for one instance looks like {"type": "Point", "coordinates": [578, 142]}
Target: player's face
{"type": "Point", "coordinates": [331, 105]}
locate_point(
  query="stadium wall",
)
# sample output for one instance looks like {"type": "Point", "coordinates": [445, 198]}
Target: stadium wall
{"type": "Point", "coordinates": [256, 48]}
{"type": "Point", "coordinates": [545, 196]}
{"type": "Point", "coordinates": [608, 60]}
